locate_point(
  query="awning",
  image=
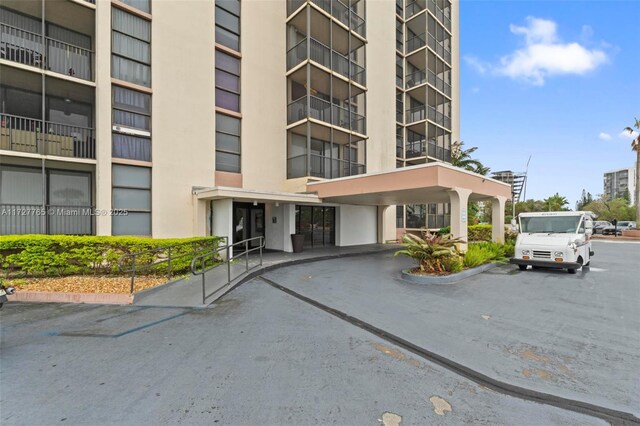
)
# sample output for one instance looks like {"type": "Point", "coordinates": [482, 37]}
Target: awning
{"type": "Point", "coordinates": [408, 185]}
{"type": "Point", "coordinates": [250, 195]}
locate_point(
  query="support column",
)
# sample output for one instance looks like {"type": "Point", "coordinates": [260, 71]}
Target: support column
{"type": "Point", "coordinates": [289, 225]}
{"type": "Point", "coordinates": [459, 198]}
{"type": "Point", "coordinates": [199, 217]}
{"type": "Point", "coordinates": [386, 224]}
{"type": "Point", "coordinates": [497, 219]}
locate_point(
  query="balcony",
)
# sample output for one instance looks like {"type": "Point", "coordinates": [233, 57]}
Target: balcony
{"type": "Point", "coordinates": [417, 78]}
{"type": "Point", "coordinates": [25, 135]}
{"type": "Point", "coordinates": [46, 53]}
{"type": "Point", "coordinates": [344, 14]}
{"type": "Point", "coordinates": [325, 56]}
{"type": "Point", "coordinates": [439, 48]}
{"type": "Point", "coordinates": [326, 112]}
{"type": "Point", "coordinates": [414, 8]}
{"type": "Point", "coordinates": [47, 219]}
{"type": "Point", "coordinates": [416, 42]}
{"type": "Point", "coordinates": [424, 112]}
{"type": "Point", "coordinates": [439, 14]}
{"type": "Point", "coordinates": [322, 167]}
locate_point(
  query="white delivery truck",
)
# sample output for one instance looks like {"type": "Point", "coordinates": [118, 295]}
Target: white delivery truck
{"type": "Point", "coordinates": [560, 240]}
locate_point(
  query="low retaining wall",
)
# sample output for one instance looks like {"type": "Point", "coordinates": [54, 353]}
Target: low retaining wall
{"type": "Point", "coordinates": [632, 233]}
{"type": "Point", "coordinates": [447, 279]}
{"type": "Point", "coordinates": [97, 298]}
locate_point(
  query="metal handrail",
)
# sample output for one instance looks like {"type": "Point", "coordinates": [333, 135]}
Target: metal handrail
{"type": "Point", "coordinates": [198, 264]}
{"type": "Point", "coordinates": [133, 268]}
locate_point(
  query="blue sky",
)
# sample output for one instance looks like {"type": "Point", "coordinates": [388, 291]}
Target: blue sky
{"type": "Point", "coordinates": [557, 80]}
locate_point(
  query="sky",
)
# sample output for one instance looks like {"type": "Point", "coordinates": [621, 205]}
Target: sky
{"type": "Point", "coordinates": [554, 80]}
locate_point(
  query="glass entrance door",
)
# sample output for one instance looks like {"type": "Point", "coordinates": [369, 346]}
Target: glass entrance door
{"type": "Point", "coordinates": [248, 222]}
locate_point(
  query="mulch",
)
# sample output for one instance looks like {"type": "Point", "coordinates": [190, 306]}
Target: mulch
{"type": "Point", "coordinates": [85, 284]}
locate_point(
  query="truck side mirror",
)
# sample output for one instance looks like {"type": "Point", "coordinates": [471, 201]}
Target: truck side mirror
{"type": "Point", "coordinates": [588, 231]}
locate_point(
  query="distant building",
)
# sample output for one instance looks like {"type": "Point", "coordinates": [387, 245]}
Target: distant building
{"type": "Point", "coordinates": [618, 182]}
{"type": "Point", "coordinates": [516, 180]}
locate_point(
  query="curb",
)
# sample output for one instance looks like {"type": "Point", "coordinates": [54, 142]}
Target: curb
{"type": "Point", "coordinates": [90, 298]}
{"type": "Point", "coordinates": [447, 279]}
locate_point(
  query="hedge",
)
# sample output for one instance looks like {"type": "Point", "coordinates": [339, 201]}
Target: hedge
{"type": "Point", "coordinates": [479, 233]}
{"type": "Point", "coordinates": [59, 255]}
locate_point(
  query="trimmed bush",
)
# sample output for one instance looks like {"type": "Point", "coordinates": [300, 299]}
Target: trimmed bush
{"type": "Point", "coordinates": [58, 255]}
{"type": "Point", "coordinates": [479, 232]}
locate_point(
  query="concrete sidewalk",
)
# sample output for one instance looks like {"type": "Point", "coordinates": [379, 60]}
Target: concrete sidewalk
{"type": "Point", "coordinates": [188, 292]}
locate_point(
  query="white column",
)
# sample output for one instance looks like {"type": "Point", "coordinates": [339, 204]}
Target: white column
{"type": "Point", "coordinates": [199, 217]}
{"type": "Point", "coordinates": [223, 218]}
{"type": "Point", "coordinates": [497, 219]}
{"type": "Point", "coordinates": [459, 198]}
{"type": "Point", "coordinates": [289, 218]}
{"type": "Point", "coordinates": [386, 224]}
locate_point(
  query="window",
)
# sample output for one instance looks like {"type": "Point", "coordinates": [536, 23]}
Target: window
{"type": "Point", "coordinates": [227, 81]}
{"type": "Point", "coordinates": [131, 48]}
{"type": "Point", "coordinates": [228, 23]}
{"type": "Point", "coordinates": [227, 143]}
{"type": "Point", "coordinates": [131, 124]}
{"type": "Point", "coordinates": [131, 192]}
{"type": "Point", "coordinates": [143, 5]}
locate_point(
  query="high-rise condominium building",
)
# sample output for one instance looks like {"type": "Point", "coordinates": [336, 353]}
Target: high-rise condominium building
{"type": "Point", "coordinates": [236, 118]}
{"type": "Point", "coordinates": [621, 183]}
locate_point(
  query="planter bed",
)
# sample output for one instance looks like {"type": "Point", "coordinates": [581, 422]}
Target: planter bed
{"type": "Point", "coordinates": [447, 279]}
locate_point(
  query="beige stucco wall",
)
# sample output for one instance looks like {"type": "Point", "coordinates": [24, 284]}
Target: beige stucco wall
{"type": "Point", "coordinates": [102, 69]}
{"type": "Point", "coordinates": [183, 124]}
{"type": "Point", "coordinates": [263, 95]}
{"type": "Point", "coordinates": [381, 95]}
{"type": "Point", "coordinates": [455, 70]}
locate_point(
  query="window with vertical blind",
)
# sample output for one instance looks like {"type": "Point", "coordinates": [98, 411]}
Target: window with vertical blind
{"type": "Point", "coordinates": [131, 136]}
{"type": "Point", "coordinates": [143, 5]}
{"type": "Point", "coordinates": [228, 23]}
{"type": "Point", "coordinates": [130, 48]}
{"type": "Point", "coordinates": [227, 83]}
{"type": "Point", "coordinates": [132, 192]}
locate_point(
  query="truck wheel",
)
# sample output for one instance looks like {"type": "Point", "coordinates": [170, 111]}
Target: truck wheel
{"type": "Point", "coordinates": [571, 271]}
{"type": "Point", "coordinates": [522, 267]}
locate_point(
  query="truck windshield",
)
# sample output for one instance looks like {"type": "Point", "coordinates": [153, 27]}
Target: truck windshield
{"type": "Point", "coordinates": [550, 224]}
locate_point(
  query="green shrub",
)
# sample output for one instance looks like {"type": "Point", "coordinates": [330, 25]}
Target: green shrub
{"type": "Point", "coordinates": [452, 264]}
{"type": "Point", "coordinates": [479, 232]}
{"type": "Point", "coordinates": [47, 255]}
{"type": "Point", "coordinates": [444, 231]}
{"type": "Point", "coordinates": [485, 252]}
{"type": "Point", "coordinates": [431, 251]}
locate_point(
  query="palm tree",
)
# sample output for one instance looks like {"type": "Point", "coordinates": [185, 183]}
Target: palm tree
{"type": "Point", "coordinates": [462, 158]}
{"type": "Point", "coordinates": [555, 203]}
{"type": "Point", "coordinates": [635, 146]}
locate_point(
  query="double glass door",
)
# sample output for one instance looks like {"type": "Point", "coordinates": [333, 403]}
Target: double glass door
{"type": "Point", "coordinates": [248, 222]}
{"type": "Point", "coordinates": [317, 224]}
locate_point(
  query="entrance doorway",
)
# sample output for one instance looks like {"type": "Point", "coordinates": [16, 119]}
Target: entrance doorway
{"type": "Point", "coordinates": [317, 224]}
{"type": "Point", "coordinates": [248, 222]}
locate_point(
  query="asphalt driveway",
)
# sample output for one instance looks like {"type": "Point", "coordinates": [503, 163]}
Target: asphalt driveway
{"type": "Point", "coordinates": [261, 356]}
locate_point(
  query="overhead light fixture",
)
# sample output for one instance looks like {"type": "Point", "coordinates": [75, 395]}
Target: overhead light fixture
{"type": "Point", "coordinates": [277, 204]}
{"type": "Point", "coordinates": [255, 203]}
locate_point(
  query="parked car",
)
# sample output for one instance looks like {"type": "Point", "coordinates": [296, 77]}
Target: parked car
{"type": "Point", "coordinates": [599, 225]}
{"type": "Point", "coordinates": [617, 230]}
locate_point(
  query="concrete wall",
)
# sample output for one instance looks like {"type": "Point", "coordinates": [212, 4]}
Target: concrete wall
{"type": "Point", "coordinates": [183, 125]}
{"type": "Point", "coordinates": [264, 94]}
{"type": "Point", "coordinates": [356, 225]}
{"type": "Point", "coordinates": [103, 115]}
{"type": "Point", "coordinates": [223, 218]}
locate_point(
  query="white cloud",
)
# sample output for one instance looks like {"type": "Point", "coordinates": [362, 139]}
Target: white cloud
{"type": "Point", "coordinates": [543, 55]}
{"type": "Point", "coordinates": [604, 136]}
{"type": "Point", "coordinates": [479, 66]}
{"type": "Point", "coordinates": [626, 135]}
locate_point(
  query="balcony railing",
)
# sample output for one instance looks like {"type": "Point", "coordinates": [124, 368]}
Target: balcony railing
{"type": "Point", "coordinates": [46, 219]}
{"type": "Point", "coordinates": [27, 135]}
{"type": "Point", "coordinates": [417, 78]}
{"type": "Point", "coordinates": [46, 53]}
{"type": "Point", "coordinates": [439, 14]}
{"type": "Point", "coordinates": [325, 111]}
{"type": "Point", "coordinates": [322, 167]}
{"type": "Point", "coordinates": [439, 48]}
{"type": "Point", "coordinates": [344, 14]}
{"type": "Point", "coordinates": [416, 42]}
{"type": "Point", "coordinates": [423, 112]}
{"type": "Point", "coordinates": [325, 56]}
{"type": "Point", "coordinates": [293, 5]}
{"type": "Point", "coordinates": [412, 9]}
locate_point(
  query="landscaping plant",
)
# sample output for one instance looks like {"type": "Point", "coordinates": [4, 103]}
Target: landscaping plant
{"type": "Point", "coordinates": [434, 253]}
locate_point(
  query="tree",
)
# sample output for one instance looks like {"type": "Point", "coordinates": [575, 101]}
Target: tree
{"type": "Point", "coordinates": [585, 199]}
{"type": "Point", "coordinates": [635, 146]}
{"type": "Point", "coordinates": [617, 208]}
{"type": "Point", "coordinates": [462, 158]}
{"type": "Point", "coordinates": [555, 203]}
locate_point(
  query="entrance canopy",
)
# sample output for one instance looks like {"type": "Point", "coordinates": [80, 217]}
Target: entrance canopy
{"type": "Point", "coordinates": [430, 183]}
